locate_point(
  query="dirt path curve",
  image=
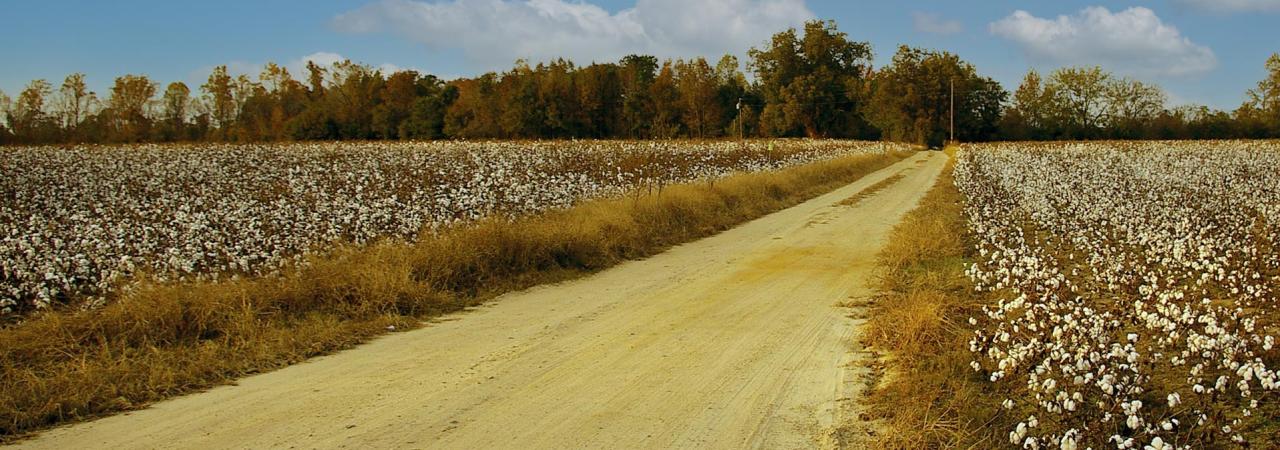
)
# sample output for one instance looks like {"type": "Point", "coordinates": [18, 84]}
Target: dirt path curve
{"type": "Point", "coordinates": [734, 341]}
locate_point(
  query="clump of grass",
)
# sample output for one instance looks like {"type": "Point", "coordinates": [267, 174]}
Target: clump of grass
{"type": "Point", "coordinates": [930, 397]}
{"type": "Point", "coordinates": [158, 341]}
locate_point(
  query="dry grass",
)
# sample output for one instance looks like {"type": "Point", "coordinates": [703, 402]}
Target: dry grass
{"type": "Point", "coordinates": [930, 397]}
{"type": "Point", "coordinates": [160, 341]}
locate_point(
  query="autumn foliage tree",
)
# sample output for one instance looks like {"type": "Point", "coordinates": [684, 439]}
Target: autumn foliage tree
{"type": "Point", "coordinates": [814, 82]}
{"type": "Point", "coordinates": [911, 99]}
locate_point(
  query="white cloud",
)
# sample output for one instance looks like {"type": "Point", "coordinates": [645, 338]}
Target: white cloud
{"type": "Point", "coordinates": [1233, 6]}
{"type": "Point", "coordinates": [934, 23]}
{"type": "Point", "coordinates": [494, 33]}
{"type": "Point", "coordinates": [1134, 41]}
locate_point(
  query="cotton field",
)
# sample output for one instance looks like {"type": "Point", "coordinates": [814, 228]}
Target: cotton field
{"type": "Point", "coordinates": [77, 221]}
{"type": "Point", "coordinates": [1134, 288]}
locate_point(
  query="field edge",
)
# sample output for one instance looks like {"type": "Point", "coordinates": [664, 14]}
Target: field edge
{"type": "Point", "coordinates": [926, 395]}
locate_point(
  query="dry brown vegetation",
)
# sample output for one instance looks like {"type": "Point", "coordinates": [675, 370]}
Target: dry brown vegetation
{"type": "Point", "coordinates": [163, 340]}
{"type": "Point", "coordinates": [929, 397]}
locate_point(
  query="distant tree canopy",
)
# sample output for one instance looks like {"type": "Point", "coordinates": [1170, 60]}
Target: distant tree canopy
{"type": "Point", "coordinates": [813, 82]}
{"type": "Point", "coordinates": [911, 99]}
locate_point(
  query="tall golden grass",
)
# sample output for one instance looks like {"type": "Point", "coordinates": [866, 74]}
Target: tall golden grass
{"type": "Point", "coordinates": [929, 397]}
{"type": "Point", "coordinates": [158, 341]}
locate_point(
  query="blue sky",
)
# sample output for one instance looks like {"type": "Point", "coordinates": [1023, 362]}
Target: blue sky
{"type": "Point", "coordinates": [1201, 51]}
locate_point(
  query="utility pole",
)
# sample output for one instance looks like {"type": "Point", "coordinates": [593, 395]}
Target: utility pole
{"type": "Point", "coordinates": [739, 114]}
{"type": "Point", "coordinates": [953, 110]}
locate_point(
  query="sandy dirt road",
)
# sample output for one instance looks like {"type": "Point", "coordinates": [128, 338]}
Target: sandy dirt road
{"type": "Point", "coordinates": [738, 340]}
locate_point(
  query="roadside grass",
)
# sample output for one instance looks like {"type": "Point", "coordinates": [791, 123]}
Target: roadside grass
{"type": "Point", "coordinates": [162, 340]}
{"type": "Point", "coordinates": [929, 396]}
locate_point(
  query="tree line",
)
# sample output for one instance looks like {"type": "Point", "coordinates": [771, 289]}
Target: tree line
{"type": "Point", "coordinates": [813, 82]}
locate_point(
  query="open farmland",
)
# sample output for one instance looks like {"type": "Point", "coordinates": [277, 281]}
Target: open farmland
{"type": "Point", "coordinates": [1132, 291]}
{"type": "Point", "coordinates": [606, 355]}
{"type": "Point", "coordinates": [79, 221]}
{"type": "Point", "coordinates": [189, 330]}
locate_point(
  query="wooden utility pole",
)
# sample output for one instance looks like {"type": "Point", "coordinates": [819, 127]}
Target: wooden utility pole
{"type": "Point", "coordinates": [739, 117]}
{"type": "Point", "coordinates": [953, 110]}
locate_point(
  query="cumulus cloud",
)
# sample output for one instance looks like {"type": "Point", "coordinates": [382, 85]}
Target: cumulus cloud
{"type": "Point", "coordinates": [1233, 6]}
{"type": "Point", "coordinates": [935, 24]}
{"type": "Point", "coordinates": [493, 33]}
{"type": "Point", "coordinates": [1134, 41]}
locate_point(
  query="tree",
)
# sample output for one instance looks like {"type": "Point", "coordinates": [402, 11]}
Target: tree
{"type": "Point", "coordinates": [475, 113]}
{"type": "Point", "coordinates": [665, 95]}
{"type": "Point", "coordinates": [775, 67]}
{"type": "Point", "coordinates": [731, 93]}
{"type": "Point", "coordinates": [6, 136]}
{"type": "Point", "coordinates": [242, 90]}
{"type": "Point", "coordinates": [813, 84]}
{"type": "Point", "coordinates": [315, 80]}
{"type": "Point", "coordinates": [519, 109]}
{"type": "Point", "coordinates": [556, 112]}
{"type": "Point", "coordinates": [274, 101]}
{"type": "Point", "coordinates": [1262, 108]}
{"type": "Point", "coordinates": [352, 97]}
{"type": "Point", "coordinates": [637, 73]}
{"type": "Point", "coordinates": [398, 96]}
{"type": "Point", "coordinates": [74, 102]}
{"type": "Point", "coordinates": [127, 107]}
{"type": "Point", "coordinates": [221, 100]}
{"type": "Point", "coordinates": [1029, 115]}
{"type": "Point", "coordinates": [979, 111]}
{"type": "Point", "coordinates": [912, 97]}
{"type": "Point", "coordinates": [427, 115]}
{"type": "Point", "coordinates": [27, 116]}
{"type": "Point", "coordinates": [599, 100]}
{"type": "Point", "coordinates": [697, 85]}
{"type": "Point", "coordinates": [176, 107]}
{"type": "Point", "coordinates": [1132, 106]}
{"type": "Point", "coordinates": [1080, 96]}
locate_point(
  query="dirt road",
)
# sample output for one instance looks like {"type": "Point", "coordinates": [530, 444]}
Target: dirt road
{"type": "Point", "coordinates": [734, 341]}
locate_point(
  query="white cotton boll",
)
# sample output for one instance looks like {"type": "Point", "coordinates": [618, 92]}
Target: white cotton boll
{"type": "Point", "coordinates": [1031, 443]}
{"type": "Point", "coordinates": [1156, 444]}
{"type": "Point", "coordinates": [1018, 432]}
{"type": "Point", "coordinates": [1068, 443]}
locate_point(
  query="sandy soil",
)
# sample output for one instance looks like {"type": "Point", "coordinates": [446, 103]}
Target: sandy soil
{"type": "Point", "coordinates": [739, 340]}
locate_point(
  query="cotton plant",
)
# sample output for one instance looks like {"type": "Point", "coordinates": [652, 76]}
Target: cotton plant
{"type": "Point", "coordinates": [1135, 287]}
{"type": "Point", "coordinates": [79, 222]}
